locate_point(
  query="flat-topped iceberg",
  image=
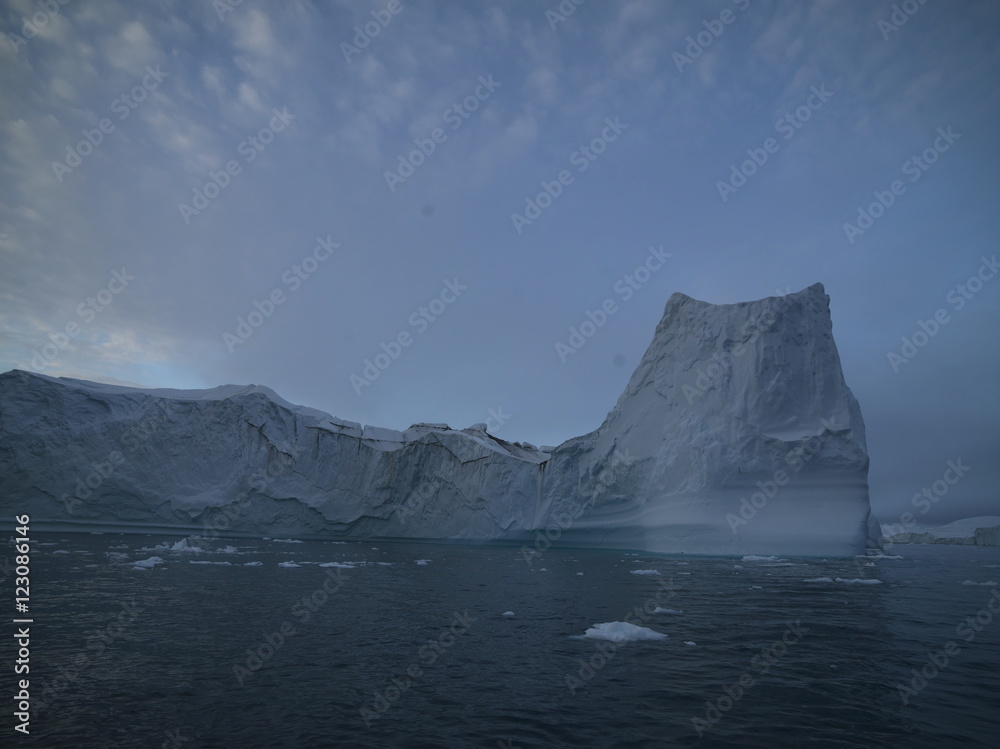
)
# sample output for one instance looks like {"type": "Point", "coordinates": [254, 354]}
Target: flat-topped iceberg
{"type": "Point", "coordinates": [736, 435]}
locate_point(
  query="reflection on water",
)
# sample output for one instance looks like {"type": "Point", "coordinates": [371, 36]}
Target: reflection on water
{"type": "Point", "coordinates": [385, 652]}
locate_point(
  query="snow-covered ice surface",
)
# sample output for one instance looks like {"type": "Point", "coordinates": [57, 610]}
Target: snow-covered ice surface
{"type": "Point", "coordinates": [736, 435]}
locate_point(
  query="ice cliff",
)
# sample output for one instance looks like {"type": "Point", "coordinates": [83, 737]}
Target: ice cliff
{"type": "Point", "coordinates": [736, 435]}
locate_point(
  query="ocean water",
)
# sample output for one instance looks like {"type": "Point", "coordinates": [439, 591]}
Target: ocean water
{"type": "Point", "coordinates": [389, 652]}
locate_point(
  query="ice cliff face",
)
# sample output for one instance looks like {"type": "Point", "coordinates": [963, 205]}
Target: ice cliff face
{"type": "Point", "coordinates": [736, 435]}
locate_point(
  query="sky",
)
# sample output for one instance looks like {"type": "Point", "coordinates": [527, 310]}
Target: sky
{"type": "Point", "coordinates": [396, 211]}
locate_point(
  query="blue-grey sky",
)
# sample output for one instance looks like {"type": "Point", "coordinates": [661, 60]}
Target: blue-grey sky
{"type": "Point", "coordinates": [383, 169]}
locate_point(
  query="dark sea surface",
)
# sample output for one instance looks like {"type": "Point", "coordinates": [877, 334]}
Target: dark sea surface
{"type": "Point", "coordinates": [323, 652]}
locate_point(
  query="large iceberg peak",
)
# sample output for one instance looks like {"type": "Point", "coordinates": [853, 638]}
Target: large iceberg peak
{"type": "Point", "coordinates": [736, 434]}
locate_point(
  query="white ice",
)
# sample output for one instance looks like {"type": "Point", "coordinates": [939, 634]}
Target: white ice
{"type": "Point", "coordinates": [622, 632]}
{"type": "Point", "coordinates": [148, 564]}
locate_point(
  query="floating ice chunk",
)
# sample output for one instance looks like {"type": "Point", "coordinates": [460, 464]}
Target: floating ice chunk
{"type": "Point", "coordinates": [758, 558]}
{"type": "Point", "coordinates": [579, 573]}
{"type": "Point", "coordinates": [148, 564]}
{"type": "Point", "coordinates": [287, 541]}
{"type": "Point", "coordinates": [60, 551]}
{"type": "Point", "coordinates": [819, 580]}
{"type": "Point", "coordinates": [970, 582]}
{"type": "Point", "coordinates": [683, 573]}
{"type": "Point", "coordinates": [507, 613]}
{"type": "Point", "coordinates": [385, 564]}
{"type": "Point", "coordinates": [622, 632]}
{"type": "Point", "coordinates": [682, 562]}
{"type": "Point", "coordinates": [344, 565]}
{"type": "Point", "coordinates": [645, 572]}
{"type": "Point", "coordinates": [253, 564]}
{"type": "Point", "coordinates": [883, 556]}
{"type": "Point", "coordinates": [737, 566]}
{"type": "Point", "coordinates": [228, 550]}
{"type": "Point", "coordinates": [756, 587]}
{"type": "Point", "coordinates": [423, 561]}
{"type": "Point", "coordinates": [860, 581]}
{"type": "Point", "coordinates": [205, 561]}
{"type": "Point", "coordinates": [688, 642]}
{"type": "Point", "coordinates": [288, 564]}
{"type": "Point", "coordinates": [543, 570]}
{"type": "Point", "coordinates": [661, 610]}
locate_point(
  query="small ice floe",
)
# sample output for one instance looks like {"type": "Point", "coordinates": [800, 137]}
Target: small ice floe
{"type": "Point", "coordinates": [622, 632]}
{"type": "Point", "coordinates": [344, 565]}
{"type": "Point", "coordinates": [385, 564]}
{"type": "Point", "coordinates": [683, 573]}
{"type": "Point", "coordinates": [423, 562]}
{"type": "Point", "coordinates": [375, 548]}
{"type": "Point", "coordinates": [61, 551]}
{"type": "Point", "coordinates": [148, 564]}
{"type": "Point", "coordinates": [860, 581]}
{"type": "Point", "coordinates": [688, 642]}
{"type": "Point", "coordinates": [758, 558]}
{"type": "Point", "coordinates": [661, 610]}
{"type": "Point", "coordinates": [645, 572]}
{"type": "Point", "coordinates": [882, 556]}
{"type": "Point", "coordinates": [970, 582]}
{"type": "Point", "coordinates": [682, 562]}
{"type": "Point", "coordinates": [756, 587]}
{"type": "Point", "coordinates": [819, 580]}
{"type": "Point", "coordinates": [543, 570]}
{"type": "Point", "coordinates": [286, 541]}
{"type": "Point", "coordinates": [288, 564]}
{"type": "Point", "coordinates": [579, 573]}
{"type": "Point", "coordinates": [253, 564]}
{"type": "Point", "coordinates": [507, 613]}
{"type": "Point", "coordinates": [204, 561]}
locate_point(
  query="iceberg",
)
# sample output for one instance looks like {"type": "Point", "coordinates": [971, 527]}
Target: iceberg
{"type": "Point", "coordinates": [977, 531]}
{"type": "Point", "coordinates": [736, 435]}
